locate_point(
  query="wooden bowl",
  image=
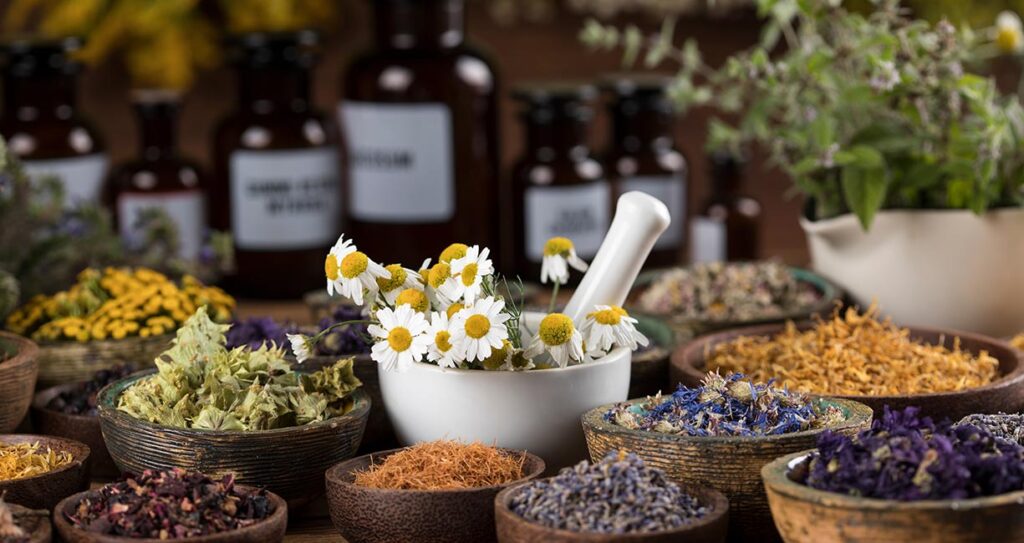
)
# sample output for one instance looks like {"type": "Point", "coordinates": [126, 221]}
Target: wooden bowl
{"type": "Point", "coordinates": [729, 464]}
{"type": "Point", "coordinates": [374, 515]}
{"type": "Point", "coordinates": [513, 528]}
{"type": "Point", "coordinates": [34, 522]}
{"type": "Point", "coordinates": [62, 362]}
{"type": "Point", "coordinates": [45, 490]}
{"type": "Point", "coordinates": [1006, 394]}
{"type": "Point", "coordinates": [268, 530]}
{"type": "Point", "coordinates": [81, 428]}
{"type": "Point", "coordinates": [17, 380]}
{"type": "Point", "coordinates": [649, 369]}
{"type": "Point", "coordinates": [806, 515]}
{"type": "Point", "coordinates": [287, 461]}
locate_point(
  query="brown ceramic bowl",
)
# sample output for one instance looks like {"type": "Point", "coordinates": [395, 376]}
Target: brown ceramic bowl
{"type": "Point", "coordinates": [268, 530]}
{"type": "Point", "coordinates": [287, 461]}
{"type": "Point", "coordinates": [17, 380]}
{"type": "Point", "coordinates": [729, 464]}
{"type": "Point", "coordinates": [373, 515]}
{"type": "Point", "coordinates": [806, 515]}
{"type": "Point", "coordinates": [82, 428]}
{"type": "Point", "coordinates": [513, 528]}
{"type": "Point", "coordinates": [34, 522]}
{"type": "Point", "coordinates": [1006, 394]}
{"type": "Point", "coordinates": [44, 491]}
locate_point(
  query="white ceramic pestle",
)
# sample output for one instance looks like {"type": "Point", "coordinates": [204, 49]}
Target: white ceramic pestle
{"type": "Point", "coordinates": [639, 221]}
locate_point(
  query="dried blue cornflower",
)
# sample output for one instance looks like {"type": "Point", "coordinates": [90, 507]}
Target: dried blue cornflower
{"type": "Point", "coordinates": [726, 406]}
{"type": "Point", "coordinates": [254, 332]}
{"type": "Point", "coordinates": [618, 495]}
{"type": "Point", "coordinates": [350, 339]}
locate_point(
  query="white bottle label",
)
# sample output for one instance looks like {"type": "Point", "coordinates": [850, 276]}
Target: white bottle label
{"type": "Point", "coordinates": [82, 176]}
{"type": "Point", "coordinates": [285, 200]}
{"type": "Point", "coordinates": [401, 162]}
{"type": "Point", "coordinates": [708, 242]}
{"type": "Point", "coordinates": [187, 210]}
{"type": "Point", "coordinates": [580, 213]}
{"type": "Point", "coordinates": [671, 190]}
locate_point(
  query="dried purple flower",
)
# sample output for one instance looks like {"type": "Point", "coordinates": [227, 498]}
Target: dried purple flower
{"type": "Point", "coordinates": [81, 400]}
{"type": "Point", "coordinates": [254, 332]}
{"type": "Point", "coordinates": [1006, 426]}
{"type": "Point", "coordinates": [344, 340]}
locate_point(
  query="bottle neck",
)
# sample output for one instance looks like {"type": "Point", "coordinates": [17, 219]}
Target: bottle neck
{"type": "Point", "coordinates": [271, 89]}
{"type": "Point", "coordinates": [40, 96]}
{"type": "Point", "coordinates": [158, 124]}
{"type": "Point", "coordinates": [564, 137]}
{"type": "Point", "coordinates": [419, 24]}
{"type": "Point", "coordinates": [726, 183]}
{"type": "Point", "coordinates": [642, 130]}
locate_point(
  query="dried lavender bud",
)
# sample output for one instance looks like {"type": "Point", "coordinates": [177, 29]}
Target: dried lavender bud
{"type": "Point", "coordinates": [903, 457]}
{"type": "Point", "coordinates": [343, 340]}
{"type": "Point", "coordinates": [1009, 427]}
{"type": "Point", "coordinates": [170, 505]}
{"type": "Point", "coordinates": [81, 400]}
{"type": "Point", "coordinates": [618, 495]}
{"type": "Point", "coordinates": [254, 332]}
{"type": "Point", "coordinates": [726, 406]}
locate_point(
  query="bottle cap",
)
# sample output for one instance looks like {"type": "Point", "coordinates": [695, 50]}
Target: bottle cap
{"type": "Point", "coordinates": [26, 56]}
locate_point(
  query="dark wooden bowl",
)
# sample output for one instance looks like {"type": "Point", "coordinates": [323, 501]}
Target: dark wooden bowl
{"type": "Point", "coordinates": [806, 515]}
{"type": "Point", "coordinates": [34, 522]}
{"type": "Point", "coordinates": [287, 461]}
{"type": "Point", "coordinates": [17, 380]}
{"type": "Point", "coordinates": [1006, 394]}
{"type": "Point", "coordinates": [729, 464]}
{"type": "Point", "coordinates": [81, 428]}
{"type": "Point", "coordinates": [374, 515]}
{"type": "Point", "coordinates": [44, 491]}
{"type": "Point", "coordinates": [648, 373]}
{"type": "Point", "coordinates": [513, 528]}
{"type": "Point", "coordinates": [62, 362]}
{"type": "Point", "coordinates": [268, 530]}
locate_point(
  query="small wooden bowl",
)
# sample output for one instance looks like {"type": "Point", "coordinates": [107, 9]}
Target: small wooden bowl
{"type": "Point", "coordinates": [730, 464]}
{"type": "Point", "coordinates": [17, 380]}
{"type": "Point", "coordinates": [77, 427]}
{"type": "Point", "coordinates": [45, 490]}
{"type": "Point", "coordinates": [1004, 395]}
{"type": "Point", "coordinates": [62, 362]}
{"type": "Point", "coordinates": [287, 461]}
{"type": "Point", "coordinates": [513, 528]}
{"type": "Point", "coordinates": [806, 515]}
{"type": "Point", "coordinates": [34, 522]}
{"type": "Point", "coordinates": [268, 530]}
{"type": "Point", "coordinates": [374, 515]}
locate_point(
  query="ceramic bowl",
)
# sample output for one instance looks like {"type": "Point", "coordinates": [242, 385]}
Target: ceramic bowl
{"type": "Point", "coordinates": [45, 490]}
{"type": "Point", "coordinates": [806, 515]}
{"type": "Point", "coordinates": [17, 380]}
{"type": "Point", "coordinates": [268, 530]}
{"type": "Point", "coordinates": [373, 515]}
{"type": "Point", "coordinates": [62, 362]}
{"type": "Point", "coordinates": [729, 464]}
{"type": "Point", "coordinates": [1006, 394]}
{"type": "Point", "coordinates": [81, 428]}
{"type": "Point", "coordinates": [287, 461]}
{"type": "Point", "coordinates": [34, 522]}
{"type": "Point", "coordinates": [513, 528]}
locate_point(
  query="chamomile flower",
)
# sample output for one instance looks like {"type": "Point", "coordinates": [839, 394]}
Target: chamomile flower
{"type": "Point", "coordinates": [441, 349]}
{"type": "Point", "coordinates": [332, 264]}
{"type": "Point", "coordinates": [468, 274]}
{"type": "Point", "coordinates": [302, 346]}
{"type": "Point", "coordinates": [558, 336]}
{"type": "Point", "coordinates": [453, 252]}
{"type": "Point", "coordinates": [559, 254]}
{"type": "Point", "coordinates": [441, 285]}
{"type": "Point", "coordinates": [414, 298]}
{"type": "Point", "coordinates": [609, 326]}
{"type": "Point", "coordinates": [1009, 33]}
{"type": "Point", "coordinates": [401, 337]}
{"type": "Point", "coordinates": [401, 279]}
{"type": "Point", "coordinates": [356, 272]}
{"type": "Point", "coordinates": [479, 328]}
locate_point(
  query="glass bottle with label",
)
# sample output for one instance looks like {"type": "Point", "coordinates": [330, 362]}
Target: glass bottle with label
{"type": "Point", "coordinates": [728, 225]}
{"type": "Point", "coordinates": [419, 119]}
{"type": "Point", "coordinates": [558, 188]}
{"type": "Point", "coordinates": [277, 189]}
{"type": "Point", "coordinates": [642, 155]}
{"type": "Point", "coordinates": [40, 121]}
{"type": "Point", "coordinates": [159, 178]}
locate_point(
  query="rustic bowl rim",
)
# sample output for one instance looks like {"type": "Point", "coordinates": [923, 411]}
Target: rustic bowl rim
{"type": "Point", "coordinates": [280, 514]}
{"type": "Point", "coordinates": [39, 405]}
{"type": "Point", "coordinates": [48, 343]}
{"type": "Point", "coordinates": [108, 394]}
{"type": "Point", "coordinates": [696, 349]}
{"type": "Point", "coordinates": [66, 444]}
{"type": "Point", "coordinates": [593, 420]}
{"type": "Point", "coordinates": [775, 475]}
{"type": "Point", "coordinates": [27, 350]}
{"type": "Point", "coordinates": [336, 475]}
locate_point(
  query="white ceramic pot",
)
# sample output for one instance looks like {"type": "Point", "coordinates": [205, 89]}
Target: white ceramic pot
{"type": "Point", "coordinates": [942, 268]}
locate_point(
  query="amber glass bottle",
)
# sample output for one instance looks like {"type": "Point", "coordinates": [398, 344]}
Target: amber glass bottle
{"type": "Point", "coordinates": [277, 187]}
{"type": "Point", "coordinates": [643, 156]}
{"type": "Point", "coordinates": [41, 123]}
{"type": "Point", "coordinates": [728, 225]}
{"type": "Point", "coordinates": [558, 188]}
{"type": "Point", "coordinates": [419, 119]}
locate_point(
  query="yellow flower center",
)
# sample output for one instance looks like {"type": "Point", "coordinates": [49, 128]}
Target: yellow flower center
{"type": "Point", "coordinates": [477, 326]}
{"type": "Point", "coordinates": [438, 274]}
{"type": "Point", "coordinates": [556, 329]}
{"type": "Point", "coordinates": [415, 298]}
{"type": "Point", "coordinates": [453, 251]}
{"type": "Point", "coordinates": [497, 358]}
{"type": "Point", "coordinates": [331, 267]}
{"type": "Point", "coordinates": [608, 317]}
{"type": "Point", "coordinates": [1008, 39]}
{"type": "Point", "coordinates": [398, 277]}
{"type": "Point", "coordinates": [469, 274]}
{"type": "Point", "coordinates": [399, 339]}
{"type": "Point", "coordinates": [443, 340]}
{"type": "Point", "coordinates": [453, 309]}
{"type": "Point", "coordinates": [618, 309]}
{"type": "Point", "coordinates": [354, 264]}
{"type": "Point", "coordinates": [557, 246]}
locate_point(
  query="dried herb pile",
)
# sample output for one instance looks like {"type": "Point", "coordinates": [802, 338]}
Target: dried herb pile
{"type": "Point", "coordinates": [907, 458]}
{"type": "Point", "coordinates": [618, 495]}
{"type": "Point", "coordinates": [29, 460]}
{"type": "Point", "coordinates": [443, 465]}
{"type": "Point", "coordinates": [1006, 426]}
{"type": "Point", "coordinates": [10, 532]}
{"type": "Point", "coordinates": [350, 339]}
{"type": "Point", "coordinates": [854, 354]}
{"type": "Point", "coordinates": [254, 332]}
{"type": "Point", "coordinates": [726, 406]}
{"type": "Point", "coordinates": [170, 505]}
{"type": "Point", "coordinates": [81, 400]}
{"type": "Point", "coordinates": [200, 383]}
{"type": "Point", "coordinates": [720, 291]}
